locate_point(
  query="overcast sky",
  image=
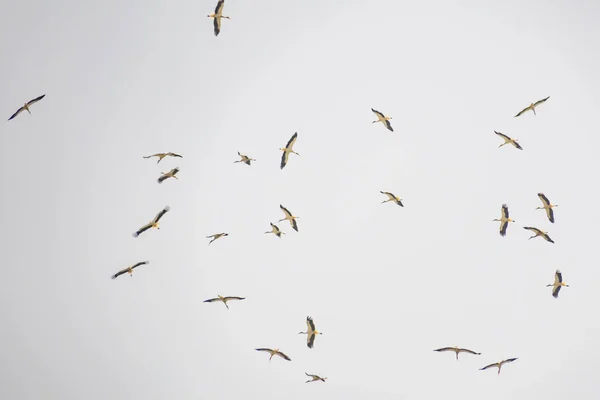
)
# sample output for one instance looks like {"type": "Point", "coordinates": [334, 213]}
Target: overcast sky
{"type": "Point", "coordinates": [386, 285]}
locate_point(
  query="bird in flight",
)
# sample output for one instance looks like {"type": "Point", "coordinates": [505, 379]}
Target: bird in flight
{"type": "Point", "coordinates": [167, 175]}
{"type": "Point", "coordinates": [288, 149]}
{"type": "Point", "coordinates": [547, 206]}
{"type": "Point", "coordinates": [274, 352]}
{"type": "Point", "coordinates": [532, 107]}
{"type": "Point", "coordinates": [539, 232]}
{"type": "Point", "coordinates": [153, 223]}
{"type": "Point", "coordinates": [504, 220]}
{"type": "Point", "coordinates": [311, 333]}
{"type": "Point", "coordinates": [498, 364]}
{"type": "Point", "coordinates": [275, 230]}
{"type": "Point", "coordinates": [224, 299]}
{"type": "Point", "coordinates": [245, 159]}
{"type": "Point", "coordinates": [129, 270]}
{"type": "Point", "coordinates": [217, 15]}
{"type": "Point", "coordinates": [508, 140]}
{"type": "Point", "coordinates": [216, 236]}
{"type": "Point", "coordinates": [163, 155]}
{"type": "Point", "coordinates": [382, 118]}
{"type": "Point", "coordinates": [558, 283]}
{"type": "Point", "coordinates": [26, 106]}
{"type": "Point", "coordinates": [457, 350]}
{"type": "Point", "coordinates": [314, 378]}
{"type": "Point", "coordinates": [392, 197]}
{"type": "Point", "coordinates": [289, 217]}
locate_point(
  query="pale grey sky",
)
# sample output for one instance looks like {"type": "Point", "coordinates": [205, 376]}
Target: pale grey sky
{"type": "Point", "coordinates": [386, 285]}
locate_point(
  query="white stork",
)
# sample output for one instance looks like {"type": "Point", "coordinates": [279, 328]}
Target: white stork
{"type": "Point", "coordinates": [216, 236]}
{"type": "Point", "coordinates": [504, 220]}
{"type": "Point", "coordinates": [289, 217]}
{"type": "Point", "coordinates": [129, 270]}
{"type": "Point", "coordinates": [382, 118]}
{"type": "Point", "coordinates": [274, 352]}
{"type": "Point", "coordinates": [167, 175]}
{"type": "Point", "coordinates": [153, 223]}
{"type": "Point", "coordinates": [314, 378]}
{"type": "Point", "coordinates": [217, 15]}
{"type": "Point", "coordinates": [558, 283]}
{"type": "Point", "coordinates": [245, 159]}
{"type": "Point", "coordinates": [539, 232]}
{"type": "Point", "coordinates": [547, 206]}
{"type": "Point", "coordinates": [508, 140]}
{"type": "Point", "coordinates": [224, 299]}
{"type": "Point", "coordinates": [392, 197]}
{"type": "Point", "coordinates": [163, 155]}
{"type": "Point", "coordinates": [26, 106]}
{"type": "Point", "coordinates": [457, 350]}
{"type": "Point", "coordinates": [311, 333]}
{"type": "Point", "coordinates": [498, 364]}
{"type": "Point", "coordinates": [275, 230]}
{"type": "Point", "coordinates": [288, 149]}
{"type": "Point", "coordinates": [532, 106]}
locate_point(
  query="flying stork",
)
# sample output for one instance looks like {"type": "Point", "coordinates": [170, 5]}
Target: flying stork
{"type": "Point", "coordinates": [217, 15]}
{"type": "Point", "coordinates": [392, 197]}
{"type": "Point", "coordinates": [532, 106]}
{"type": "Point", "coordinates": [289, 217]}
{"type": "Point", "coordinates": [163, 155]}
{"type": "Point", "coordinates": [539, 232]}
{"type": "Point", "coordinates": [275, 230]}
{"type": "Point", "coordinates": [224, 299]}
{"type": "Point", "coordinates": [274, 352]}
{"type": "Point", "coordinates": [167, 175]}
{"type": "Point", "coordinates": [153, 223]}
{"type": "Point", "coordinates": [311, 333]}
{"type": "Point", "coordinates": [498, 364]}
{"type": "Point", "coordinates": [26, 106]}
{"type": "Point", "coordinates": [558, 283]}
{"type": "Point", "coordinates": [504, 220]}
{"type": "Point", "coordinates": [314, 378]}
{"type": "Point", "coordinates": [245, 159]}
{"type": "Point", "coordinates": [288, 149]}
{"type": "Point", "coordinates": [129, 270]}
{"type": "Point", "coordinates": [457, 350]}
{"type": "Point", "coordinates": [216, 236]}
{"type": "Point", "coordinates": [382, 118]}
{"type": "Point", "coordinates": [547, 206]}
{"type": "Point", "coordinates": [508, 140]}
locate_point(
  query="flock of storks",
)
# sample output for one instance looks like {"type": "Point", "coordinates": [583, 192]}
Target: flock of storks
{"type": "Point", "coordinates": [311, 331]}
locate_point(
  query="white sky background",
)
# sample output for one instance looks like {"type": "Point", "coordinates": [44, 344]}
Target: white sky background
{"type": "Point", "coordinates": [385, 284]}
